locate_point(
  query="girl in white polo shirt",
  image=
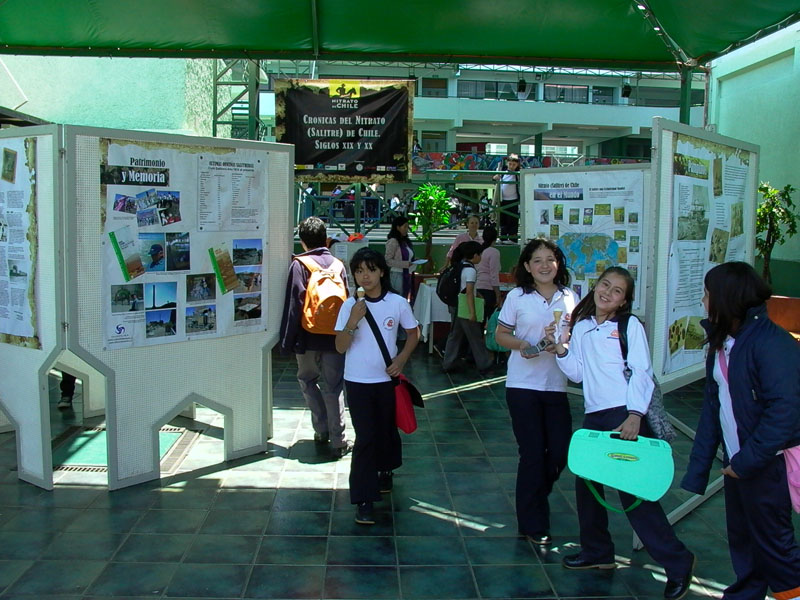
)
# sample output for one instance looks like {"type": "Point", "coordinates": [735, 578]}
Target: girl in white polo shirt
{"type": "Point", "coordinates": [612, 404]}
{"type": "Point", "coordinates": [536, 389]}
{"type": "Point", "coordinates": [370, 390]}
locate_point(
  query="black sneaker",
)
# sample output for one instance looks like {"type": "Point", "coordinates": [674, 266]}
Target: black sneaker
{"type": "Point", "coordinates": [65, 403]}
{"type": "Point", "coordinates": [385, 481]}
{"type": "Point", "coordinates": [364, 515]}
{"type": "Point", "coordinates": [343, 450]}
{"type": "Point", "coordinates": [321, 438]}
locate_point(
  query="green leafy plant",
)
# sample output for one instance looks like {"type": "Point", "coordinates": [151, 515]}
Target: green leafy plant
{"type": "Point", "coordinates": [775, 222]}
{"type": "Point", "coordinates": [431, 214]}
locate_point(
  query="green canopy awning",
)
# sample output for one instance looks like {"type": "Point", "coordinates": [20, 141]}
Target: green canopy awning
{"type": "Point", "coordinates": [593, 33]}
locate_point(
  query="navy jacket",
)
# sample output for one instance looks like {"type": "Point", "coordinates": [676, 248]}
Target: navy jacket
{"type": "Point", "coordinates": [764, 382]}
{"type": "Point", "coordinates": [293, 337]}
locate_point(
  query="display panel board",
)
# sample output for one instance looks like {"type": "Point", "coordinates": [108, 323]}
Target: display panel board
{"type": "Point", "coordinates": [598, 216]}
{"type": "Point", "coordinates": [706, 189]}
{"type": "Point", "coordinates": [31, 301]}
{"type": "Point", "coordinates": [358, 130]}
{"type": "Point", "coordinates": [219, 192]}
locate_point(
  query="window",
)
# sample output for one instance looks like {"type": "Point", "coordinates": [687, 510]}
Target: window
{"type": "Point", "coordinates": [496, 148]}
{"type": "Point", "coordinates": [434, 87]}
{"type": "Point", "coordinates": [554, 92]}
{"type": "Point", "coordinates": [434, 141]}
{"type": "Point", "coordinates": [602, 95]}
{"type": "Point", "coordinates": [477, 89]}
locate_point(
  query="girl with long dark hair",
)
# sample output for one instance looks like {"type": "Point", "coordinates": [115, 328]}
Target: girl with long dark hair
{"type": "Point", "coordinates": [536, 389]}
{"type": "Point", "coordinates": [399, 254]}
{"type": "Point", "coordinates": [488, 283]}
{"type": "Point", "coordinates": [370, 390]}
{"type": "Point", "coordinates": [611, 403]}
{"type": "Point", "coordinates": [752, 408]}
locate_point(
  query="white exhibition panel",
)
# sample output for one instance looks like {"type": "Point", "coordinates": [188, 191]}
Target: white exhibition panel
{"type": "Point", "coordinates": [148, 385]}
{"type": "Point", "coordinates": [615, 214]}
{"type": "Point", "coordinates": [728, 176]}
{"type": "Point", "coordinates": [24, 369]}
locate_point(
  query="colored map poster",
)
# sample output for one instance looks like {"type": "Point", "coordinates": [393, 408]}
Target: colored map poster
{"type": "Point", "coordinates": [595, 217]}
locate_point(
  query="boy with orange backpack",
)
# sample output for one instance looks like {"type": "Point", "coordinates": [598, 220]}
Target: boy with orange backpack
{"type": "Point", "coordinates": [315, 290]}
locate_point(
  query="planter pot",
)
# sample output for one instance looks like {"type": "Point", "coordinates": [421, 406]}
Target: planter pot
{"type": "Point", "coordinates": [785, 311]}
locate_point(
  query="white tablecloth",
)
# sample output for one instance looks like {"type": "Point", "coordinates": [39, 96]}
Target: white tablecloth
{"type": "Point", "coordinates": [428, 308]}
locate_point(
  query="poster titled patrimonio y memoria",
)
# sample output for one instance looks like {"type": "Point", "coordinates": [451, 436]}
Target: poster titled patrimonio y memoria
{"type": "Point", "coordinates": [353, 129]}
{"type": "Point", "coordinates": [184, 235]}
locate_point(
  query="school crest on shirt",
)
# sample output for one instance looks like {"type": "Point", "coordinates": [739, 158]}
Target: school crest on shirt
{"type": "Point", "coordinates": [388, 323]}
{"type": "Point", "coordinates": [614, 335]}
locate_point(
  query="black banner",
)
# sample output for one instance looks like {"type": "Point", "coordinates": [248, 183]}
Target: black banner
{"type": "Point", "coordinates": [356, 130]}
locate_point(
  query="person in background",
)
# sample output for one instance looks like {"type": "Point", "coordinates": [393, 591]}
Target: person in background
{"type": "Point", "coordinates": [536, 389]}
{"type": "Point", "coordinates": [488, 281]}
{"type": "Point", "coordinates": [399, 254]}
{"type": "Point", "coordinates": [67, 387]}
{"type": "Point", "coordinates": [470, 235]}
{"type": "Point", "coordinates": [316, 353]}
{"type": "Point", "coordinates": [467, 255]}
{"type": "Point", "coordinates": [752, 408]}
{"type": "Point", "coordinates": [507, 195]}
{"type": "Point", "coordinates": [611, 403]}
{"type": "Point", "coordinates": [370, 389]}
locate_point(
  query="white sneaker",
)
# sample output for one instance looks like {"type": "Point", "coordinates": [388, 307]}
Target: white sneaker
{"type": "Point", "coordinates": [64, 403]}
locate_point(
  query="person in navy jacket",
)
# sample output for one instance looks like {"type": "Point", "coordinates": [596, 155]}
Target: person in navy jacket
{"type": "Point", "coordinates": [752, 407]}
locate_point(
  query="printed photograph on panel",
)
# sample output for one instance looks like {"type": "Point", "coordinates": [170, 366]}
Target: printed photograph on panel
{"type": "Point", "coordinates": [717, 166]}
{"type": "Point", "coordinates": [160, 323]}
{"type": "Point", "coordinates": [737, 219]}
{"type": "Point", "coordinates": [719, 246]}
{"type": "Point", "coordinates": [249, 279]}
{"type": "Point", "coordinates": [693, 224]}
{"type": "Point", "coordinates": [677, 334]}
{"type": "Point", "coordinates": [127, 298]}
{"type": "Point", "coordinates": [201, 287]}
{"type": "Point", "coordinates": [695, 334]}
{"type": "Point", "coordinates": [151, 249]}
{"type": "Point", "coordinates": [201, 319]}
{"type": "Point", "coordinates": [9, 167]}
{"type": "Point", "coordinates": [246, 307]}
{"type": "Point", "coordinates": [178, 251]}
{"type": "Point", "coordinates": [248, 252]}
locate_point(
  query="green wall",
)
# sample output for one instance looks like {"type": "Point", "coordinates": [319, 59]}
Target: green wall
{"type": "Point", "coordinates": [172, 95]}
{"type": "Point", "coordinates": [754, 97]}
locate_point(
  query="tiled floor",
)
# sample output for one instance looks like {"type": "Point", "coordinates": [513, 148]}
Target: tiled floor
{"type": "Point", "coordinates": [281, 526]}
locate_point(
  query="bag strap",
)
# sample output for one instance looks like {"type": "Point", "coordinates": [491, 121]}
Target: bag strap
{"type": "Point", "coordinates": [378, 337]}
{"type": "Point", "coordinates": [622, 330]}
{"type": "Point", "coordinates": [602, 500]}
{"type": "Point", "coordinates": [309, 263]}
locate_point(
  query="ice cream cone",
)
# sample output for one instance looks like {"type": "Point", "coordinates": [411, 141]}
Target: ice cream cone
{"type": "Point", "coordinates": [360, 293]}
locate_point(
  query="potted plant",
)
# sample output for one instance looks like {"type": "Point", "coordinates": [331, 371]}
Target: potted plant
{"type": "Point", "coordinates": [431, 213]}
{"type": "Point", "coordinates": [775, 222]}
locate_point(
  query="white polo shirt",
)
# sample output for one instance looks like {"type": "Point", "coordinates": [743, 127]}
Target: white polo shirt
{"type": "Point", "coordinates": [363, 362]}
{"type": "Point", "coordinates": [595, 358]}
{"type": "Point", "coordinates": [527, 315]}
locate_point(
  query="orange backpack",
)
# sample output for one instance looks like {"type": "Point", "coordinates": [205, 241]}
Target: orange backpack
{"type": "Point", "coordinates": [325, 294]}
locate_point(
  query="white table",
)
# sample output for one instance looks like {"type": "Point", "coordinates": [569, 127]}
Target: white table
{"type": "Point", "coordinates": [428, 309]}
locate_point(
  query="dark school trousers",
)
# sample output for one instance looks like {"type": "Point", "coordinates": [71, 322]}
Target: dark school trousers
{"type": "Point", "coordinates": [509, 223]}
{"type": "Point", "coordinates": [543, 427]}
{"type": "Point", "coordinates": [648, 519]}
{"type": "Point", "coordinates": [489, 303]}
{"type": "Point", "coordinates": [764, 551]}
{"type": "Point", "coordinates": [377, 446]}
{"type": "Point", "coordinates": [472, 331]}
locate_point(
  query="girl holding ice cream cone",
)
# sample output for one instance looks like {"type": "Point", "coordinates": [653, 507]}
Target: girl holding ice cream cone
{"type": "Point", "coordinates": [536, 389]}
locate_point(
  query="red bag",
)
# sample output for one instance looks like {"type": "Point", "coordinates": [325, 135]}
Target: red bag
{"type": "Point", "coordinates": [403, 406]}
